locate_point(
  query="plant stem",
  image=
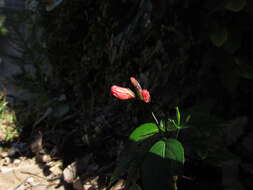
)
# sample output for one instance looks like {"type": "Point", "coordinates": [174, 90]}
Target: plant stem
{"type": "Point", "coordinates": [174, 182]}
{"type": "Point", "coordinates": [155, 118]}
{"type": "Point", "coordinates": [177, 133]}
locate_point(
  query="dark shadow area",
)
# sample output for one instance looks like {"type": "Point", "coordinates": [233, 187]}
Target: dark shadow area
{"type": "Point", "coordinates": [57, 67]}
{"type": "Point", "coordinates": [157, 172]}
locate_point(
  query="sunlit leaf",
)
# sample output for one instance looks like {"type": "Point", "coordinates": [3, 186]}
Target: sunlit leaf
{"type": "Point", "coordinates": [144, 131]}
{"type": "Point", "coordinates": [169, 148]}
{"type": "Point", "coordinates": [164, 160]}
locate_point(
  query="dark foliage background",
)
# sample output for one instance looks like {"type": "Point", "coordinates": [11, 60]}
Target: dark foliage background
{"type": "Point", "coordinates": [193, 54]}
{"type": "Point", "coordinates": [184, 52]}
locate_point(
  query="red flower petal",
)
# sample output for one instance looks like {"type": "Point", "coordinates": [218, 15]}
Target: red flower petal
{"type": "Point", "coordinates": [146, 96]}
{"type": "Point", "coordinates": [122, 93]}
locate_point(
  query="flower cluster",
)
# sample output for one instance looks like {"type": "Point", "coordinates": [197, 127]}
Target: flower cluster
{"type": "Point", "coordinates": [125, 93]}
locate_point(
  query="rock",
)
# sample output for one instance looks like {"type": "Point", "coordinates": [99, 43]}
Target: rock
{"type": "Point", "coordinates": [45, 158]}
{"type": "Point", "coordinates": [30, 180]}
{"type": "Point", "coordinates": [16, 162]}
{"type": "Point", "coordinates": [91, 183]}
{"type": "Point", "coordinates": [4, 154]}
{"type": "Point", "coordinates": [17, 148]}
{"type": "Point", "coordinates": [37, 145]}
{"type": "Point", "coordinates": [120, 185]}
{"type": "Point", "coordinates": [28, 175]}
{"type": "Point", "coordinates": [56, 169]}
{"type": "Point", "coordinates": [6, 161]}
{"type": "Point", "coordinates": [70, 172]}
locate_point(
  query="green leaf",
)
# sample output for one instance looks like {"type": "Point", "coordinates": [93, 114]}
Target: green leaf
{"type": "Point", "coordinates": [178, 115]}
{"type": "Point", "coordinates": [169, 148]}
{"type": "Point", "coordinates": [218, 35]}
{"type": "Point", "coordinates": [162, 124]}
{"type": "Point", "coordinates": [164, 160]}
{"type": "Point", "coordinates": [144, 131]}
{"type": "Point", "coordinates": [171, 125]}
{"type": "Point", "coordinates": [235, 5]}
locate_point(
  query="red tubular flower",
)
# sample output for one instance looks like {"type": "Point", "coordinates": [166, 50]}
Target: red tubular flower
{"type": "Point", "coordinates": [146, 96]}
{"type": "Point", "coordinates": [122, 93]}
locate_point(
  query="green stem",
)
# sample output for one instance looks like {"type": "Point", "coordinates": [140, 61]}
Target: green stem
{"type": "Point", "coordinates": [177, 133]}
{"type": "Point", "coordinates": [173, 183]}
{"type": "Point", "coordinates": [157, 123]}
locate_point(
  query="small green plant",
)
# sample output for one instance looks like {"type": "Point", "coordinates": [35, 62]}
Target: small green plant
{"type": "Point", "coordinates": [8, 129]}
{"type": "Point", "coordinates": [157, 155]}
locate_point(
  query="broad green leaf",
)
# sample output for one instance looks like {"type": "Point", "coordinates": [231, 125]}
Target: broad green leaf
{"type": "Point", "coordinates": [218, 35]}
{"type": "Point", "coordinates": [169, 148]}
{"type": "Point", "coordinates": [164, 160]}
{"type": "Point", "coordinates": [144, 131]}
{"type": "Point", "coordinates": [235, 5]}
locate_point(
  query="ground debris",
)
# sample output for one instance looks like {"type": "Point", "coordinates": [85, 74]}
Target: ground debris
{"type": "Point", "coordinates": [27, 175]}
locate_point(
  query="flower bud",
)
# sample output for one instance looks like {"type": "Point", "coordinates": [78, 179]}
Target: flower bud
{"type": "Point", "coordinates": [122, 93]}
{"type": "Point", "coordinates": [146, 96]}
{"type": "Point", "coordinates": [135, 83]}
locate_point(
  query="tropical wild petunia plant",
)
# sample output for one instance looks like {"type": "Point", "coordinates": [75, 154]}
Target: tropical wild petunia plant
{"type": "Point", "coordinates": [155, 156]}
